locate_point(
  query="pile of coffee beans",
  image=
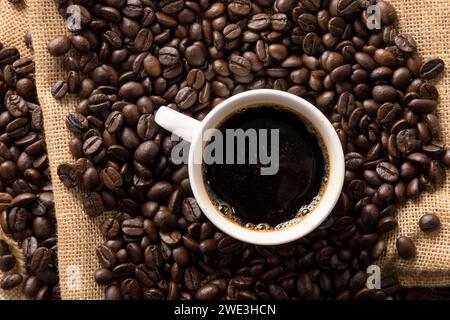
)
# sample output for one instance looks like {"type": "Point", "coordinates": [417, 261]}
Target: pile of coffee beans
{"type": "Point", "coordinates": [134, 56]}
{"type": "Point", "coordinates": [27, 211]}
{"type": "Point", "coordinates": [7, 263]}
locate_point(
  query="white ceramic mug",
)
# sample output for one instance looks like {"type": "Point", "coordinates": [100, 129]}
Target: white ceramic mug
{"type": "Point", "coordinates": [192, 131]}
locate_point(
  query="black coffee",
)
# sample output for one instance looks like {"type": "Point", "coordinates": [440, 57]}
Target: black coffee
{"type": "Point", "coordinates": [265, 201]}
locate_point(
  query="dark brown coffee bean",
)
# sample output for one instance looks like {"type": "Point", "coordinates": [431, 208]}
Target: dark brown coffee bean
{"type": "Point", "coordinates": [231, 31]}
{"type": "Point", "coordinates": [168, 56]}
{"type": "Point", "coordinates": [405, 248]}
{"type": "Point", "coordinates": [191, 210]}
{"type": "Point", "coordinates": [93, 204]}
{"type": "Point", "coordinates": [386, 224]}
{"type": "Point", "coordinates": [59, 46]}
{"type": "Point", "coordinates": [40, 259]}
{"type": "Point", "coordinates": [420, 106]}
{"type": "Point", "coordinates": [186, 97]}
{"type": "Point", "coordinates": [387, 171]}
{"type": "Point", "coordinates": [432, 68]}
{"type": "Point", "coordinates": [76, 122]}
{"type": "Point", "coordinates": [5, 201]}
{"type": "Point", "coordinates": [7, 262]}
{"type": "Point", "coordinates": [106, 256]}
{"type": "Point", "coordinates": [143, 40]}
{"type": "Point", "coordinates": [11, 281]}
{"type": "Point", "coordinates": [405, 43]}
{"type": "Point", "coordinates": [207, 292]}
{"type": "Point", "coordinates": [240, 7]}
{"type": "Point", "coordinates": [429, 222]}
{"type": "Point", "coordinates": [60, 89]}
{"type": "Point", "coordinates": [165, 220]}
{"type": "Point", "coordinates": [312, 45]}
{"type": "Point", "coordinates": [68, 176]}
{"type": "Point", "coordinates": [191, 278]}
{"type": "Point", "coordinates": [132, 90]}
{"type": "Point", "coordinates": [92, 145]}
{"type": "Point", "coordinates": [16, 105]}
{"type": "Point", "coordinates": [8, 55]}
{"type": "Point", "coordinates": [407, 141]}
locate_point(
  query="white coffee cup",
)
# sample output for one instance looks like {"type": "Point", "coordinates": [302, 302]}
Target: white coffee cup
{"type": "Point", "coordinates": [192, 131]}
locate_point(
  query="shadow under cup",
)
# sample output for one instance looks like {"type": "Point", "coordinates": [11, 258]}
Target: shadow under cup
{"type": "Point", "coordinates": [309, 215]}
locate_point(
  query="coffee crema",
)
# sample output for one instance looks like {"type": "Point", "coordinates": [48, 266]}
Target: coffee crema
{"type": "Point", "coordinates": [265, 202]}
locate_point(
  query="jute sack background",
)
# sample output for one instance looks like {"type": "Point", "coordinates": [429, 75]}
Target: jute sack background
{"type": "Point", "coordinates": [13, 26]}
{"type": "Point", "coordinates": [427, 20]}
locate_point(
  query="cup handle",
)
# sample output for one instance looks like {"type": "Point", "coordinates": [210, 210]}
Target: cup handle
{"type": "Point", "coordinates": [177, 123]}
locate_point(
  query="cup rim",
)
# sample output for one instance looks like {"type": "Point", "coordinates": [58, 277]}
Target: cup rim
{"type": "Point", "coordinates": [331, 191]}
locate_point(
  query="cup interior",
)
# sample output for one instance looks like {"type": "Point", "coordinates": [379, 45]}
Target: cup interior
{"type": "Point", "coordinates": [333, 151]}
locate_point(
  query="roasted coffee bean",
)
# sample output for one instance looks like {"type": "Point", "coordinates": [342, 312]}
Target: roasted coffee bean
{"type": "Point", "coordinates": [106, 256]}
{"type": "Point", "coordinates": [5, 201]}
{"type": "Point", "coordinates": [68, 175]}
{"type": "Point", "coordinates": [93, 204]}
{"type": "Point", "coordinates": [16, 105]}
{"type": "Point", "coordinates": [7, 262]}
{"type": "Point", "coordinates": [432, 68]}
{"type": "Point", "coordinates": [111, 178]}
{"type": "Point", "coordinates": [191, 209]}
{"type": "Point", "coordinates": [186, 97]}
{"type": "Point", "coordinates": [146, 127]}
{"type": "Point", "coordinates": [40, 259]}
{"type": "Point", "coordinates": [387, 171]}
{"type": "Point", "coordinates": [429, 222]}
{"type": "Point", "coordinates": [76, 122]}
{"type": "Point", "coordinates": [405, 248]}
{"type": "Point", "coordinates": [405, 43]}
{"type": "Point", "coordinates": [11, 281]}
{"type": "Point", "coordinates": [207, 292]}
{"type": "Point", "coordinates": [60, 89]}
{"type": "Point", "coordinates": [59, 46]}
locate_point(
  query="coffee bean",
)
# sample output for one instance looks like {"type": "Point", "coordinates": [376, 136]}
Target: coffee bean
{"type": "Point", "coordinates": [405, 248]}
{"type": "Point", "coordinates": [131, 90]}
{"type": "Point", "coordinates": [165, 220]}
{"type": "Point", "coordinates": [68, 175]}
{"type": "Point", "coordinates": [7, 262]}
{"type": "Point", "coordinates": [168, 56]}
{"type": "Point", "coordinates": [60, 89]}
{"type": "Point", "coordinates": [133, 227]}
{"type": "Point", "coordinates": [103, 276]}
{"type": "Point", "coordinates": [5, 201]}
{"type": "Point", "coordinates": [405, 43]}
{"type": "Point", "coordinates": [429, 222]}
{"type": "Point", "coordinates": [93, 204]}
{"type": "Point", "coordinates": [432, 68]}
{"type": "Point", "coordinates": [76, 122]}
{"type": "Point", "coordinates": [207, 292]}
{"type": "Point", "coordinates": [387, 171]}
{"type": "Point", "coordinates": [40, 259]}
{"type": "Point", "coordinates": [111, 178]}
{"type": "Point", "coordinates": [11, 281]}
{"type": "Point", "coordinates": [186, 97]}
{"type": "Point", "coordinates": [16, 105]}
{"type": "Point", "coordinates": [59, 46]}
{"type": "Point", "coordinates": [106, 256]}
{"type": "Point", "coordinates": [240, 7]}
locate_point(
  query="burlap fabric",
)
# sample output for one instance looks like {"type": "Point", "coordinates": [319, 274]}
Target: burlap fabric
{"type": "Point", "coordinates": [427, 20]}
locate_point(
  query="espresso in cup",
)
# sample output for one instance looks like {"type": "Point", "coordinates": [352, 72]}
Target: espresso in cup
{"type": "Point", "coordinates": [273, 168]}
